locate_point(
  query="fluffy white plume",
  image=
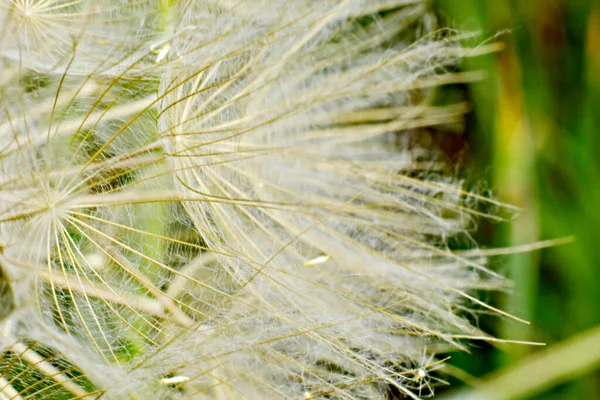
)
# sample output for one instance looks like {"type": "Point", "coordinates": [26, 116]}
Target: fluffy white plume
{"type": "Point", "coordinates": [210, 199]}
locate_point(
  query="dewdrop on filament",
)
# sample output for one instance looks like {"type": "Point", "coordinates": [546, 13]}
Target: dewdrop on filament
{"type": "Point", "coordinates": [420, 374]}
{"type": "Point", "coordinates": [174, 380]}
{"type": "Point", "coordinates": [163, 52]}
{"type": "Point", "coordinates": [317, 260]}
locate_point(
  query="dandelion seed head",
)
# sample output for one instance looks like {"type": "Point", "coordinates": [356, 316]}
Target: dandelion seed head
{"type": "Point", "coordinates": [168, 173]}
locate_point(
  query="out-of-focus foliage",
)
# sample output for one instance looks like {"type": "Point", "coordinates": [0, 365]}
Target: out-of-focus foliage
{"type": "Point", "coordinates": [536, 118]}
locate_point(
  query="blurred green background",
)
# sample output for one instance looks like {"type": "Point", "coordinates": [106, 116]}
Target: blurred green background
{"type": "Point", "coordinates": [534, 135]}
